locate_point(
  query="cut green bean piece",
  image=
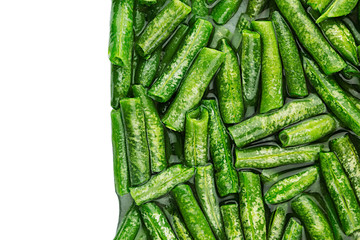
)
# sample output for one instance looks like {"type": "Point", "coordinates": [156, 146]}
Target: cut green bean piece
{"type": "Point", "coordinates": [139, 20]}
{"type": "Point", "coordinates": [224, 10]}
{"type": "Point", "coordinates": [308, 131]}
{"type": "Point", "coordinates": [121, 33]}
{"type": "Point", "coordinates": [252, 211]}
{"type": "Point", "coordinates": [255, 7]}
{"type": "Point", "coordinates": [265, 124]}
{"type": "Point", "coordinates": [250, 66]}
{"type": "Point", "coordinates": [199, 8]}
{"type": "Point", "coordinates": [341, 192]}
{"type": "Point", "coordinates": [205, 189]}
{"type": "Point", "coordinates": [232, 223]}
{"type": "Point", "coordinates": [172, 46]}
{"type": "Point", "coordinates": [130, 225]}
{"type": "Point", "coordinates": [156, 222]}
{"type": "Point", "coordinates": [310, 36]}
{"type": "Point", "coordinates": [271, 68]}
{"type": "Point", "coordinates": [121, 172]}
{"type": "Point", "coordinates": [226, 177]}
{"type": "Point", "coordinates": [353, 29]}
{"type": "Point", "coordinates": [318, 5]}
{"type": "Point", "coordinates": [312, 217]}
{"type": "Point", "coordinates": [154, 130]}
{"type": "Point", "coordinates": [193, 88]}
{"type": "Point", "coordinates": [146, 69]}
{"type": "Point", "coordinates": [349, 159]}
{"type": "Point", "coordinates": [120, 84]}
{"type": "Point", "coordinates": [148, 2]}
{"type": "Point", "coordinates": [339, 36]}
{"type": "Point", "coordinates": [293, 230]}
{"type": "Point", "coordinates": [277, 223]}
{"type": "Point", "coordinates": [338, 8]}
{"type": "Point", "coordinates": [196, 137]}
{"type": "Point", "coordinates": [290, 187]}
{"type": "Point", "coordinates": [333, 96]}
{"type": "Point", "coordinates": [180, 227]}
{"type": "Point", "coordinates": [166, 85]}
{"type": "Point", "coordinates": [161, 27]}
{"type": "Point", "coordinates": [220, 32]}
{"type": "Point", "coordinates": [161, 183]}
{"type": "Point", "coordinates": [294, 73]}
{"type": "Point", "coordinates": [192, 214]}
{"type": "Point", "coordinates": [228, 84]}
{"type": "Point", "coordinates": [137, 146]}
{"type": "Point", "coordinates": [273, 156]}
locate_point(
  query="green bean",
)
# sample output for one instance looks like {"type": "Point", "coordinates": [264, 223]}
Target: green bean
{"type": "Point", "coordinates": [199, 8]}
{"type": "Point", "coordinates": [252, 211]}
{"type": "Point", "coordinates": [146, 69]}
{"type": "Point", "coordinates": [341, 192]}
{"type": "Point", "coordinates": [308, 131]}
{"type": "Point", "coordinates": [339, 36]}
{"type": "Point", "coordinates": [232, 223]}
{"type": "Point", "coordinates": [205, 189]}
{"type": "Point", "coordinates": [154, 130]}
{"type": "Point", "coordinates": [172, 46]}
{"type": "Point", "coordinates": [312, 217]}
{"type": "Point", "coordinates": [349, 159]}
{"type": "Point", "coordinates": [224, 10]}
{"type": "Point", "coordinates": [250, 66]}
{"type": "Point", "coordinates": [290, 187]}
{"type": "Point", "coordinates": [273, 156]}
{"type": "Point", "coordinates": [243, 24]}
{"type": "Point", "coordinates": [155, 9]}
{"type": "Point", "coordinates": [156, 222]}
{"type": "Point", "coordinates": [139, 20]}
{"type": "Point", "coordinates": [161, 183]}
{"type": "Point", "coordinates": [220, 32]}
{"type": "Point", "coordinates": [255, 7]}
{"type": "Point", "coordinates": [166, 85]}
{"type": "Point", "coordinates": [148, 2]}
{"type": "Point", "coordinates": [193, 88]}
{"type": "Point", "coordinates": [353, 29]}
{"type": "Point", "coordinates": [196, 137]}
{"type": "Point", "coordinates": [294, 73]}
{"type": "Point", "coordinates": [120, 84]}
{"type": "Point", "coordinates": [226, 178]}
{"type": "Point", "coordinates": [121, 172]}
{"type": "Point", "coordinates": [137, 148]}
{"type": "Point", "coordinates": [161, 27]}
{"type": "Point", "coordinates": [318, 5]}
{"type": "Point", "coordinates": [271, 70]}
{"type": "Point", "coordinates": [337, 8]}
{"type": "Point", "coordinates": [277, 223]}
{"type": "Point", "coordinates": [265, 124]}
{"type": "Point", "coordinates": [121, 33]}
{"type": "Point", "coordinates": [228, 84]}
{"type": "Point", "coordinates": [130, 225]}
{"type": "Point", "coordinates": [192, 214]}
{"type": "Point", "coordinates": [180, 227]}
{"type": "Point", "coordinates": [310, 36]}
{"type": "Point", "coordinates": [293, 230]}
{"type": "Point", "coordinates": [333, 96]}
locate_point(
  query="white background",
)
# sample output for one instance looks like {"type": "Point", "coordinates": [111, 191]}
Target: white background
{"type": "Point", "coordinates": [56, 179]}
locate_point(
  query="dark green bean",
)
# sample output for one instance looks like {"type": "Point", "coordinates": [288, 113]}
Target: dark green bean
{"type": "Point", "coordinates": [161, 183]}
{"type": "Point", "coordinates": [130, 225]}
{"type": "Point", "coordinates": [147, 68]}
{"type": "Point", "coordinates": [228, 84]}
{"type": "Point", "coordinates": [161, 27]}
{"type": "Point", "coordinates": [154, 130]}
{"type": "Point", "coordinates": [121, 172]}
{"type": "Point", "coordinates": [120, 84]}
{"type": "Point", "coordinates": [193, 88]}
{"type": "Point", "coordinates": [226, 178]}
{"type": "Point", "coordinates": [192, 214]}
{"type": "Point", "coordinates": [224, 10]}
{"type": "Point", "coordinates": [137, 146]}
{"type": "Point", "coordinates": [196, 137]}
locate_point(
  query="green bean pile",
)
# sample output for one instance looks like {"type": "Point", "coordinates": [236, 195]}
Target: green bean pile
{"type": "Point", "coordinates": [236, 119]}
